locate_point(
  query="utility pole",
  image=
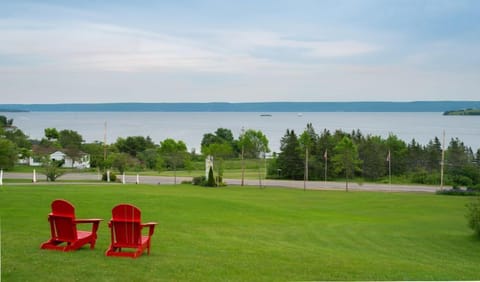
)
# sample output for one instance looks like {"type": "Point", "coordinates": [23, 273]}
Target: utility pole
{"type": "Point", "coordinates": [389, 159]}
{"type": "Point", "coordinates": [442, 163]}
{"type": "Point", "coordinates": [325, 157]}
{"type": "Point", "coordinates": [105, 143]}
{"type": "Point", "coordinates": [243, 157]}
{"type": "Point", "coordinates": [305, 179]}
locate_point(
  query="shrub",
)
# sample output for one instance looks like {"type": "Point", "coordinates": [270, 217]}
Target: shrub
{"type": "Point", "coordinates": [473, 215]}
{"type": "Point", "coordinates": [475, 188]}
{"type": "Point", "coordinates": [211, 179]}
{"type": "Point", "coordinates": [423, 177]}
{"type": "Point", "coordinates": [51, 169]}
{"type": "Point", "coordinates": [199, 180]}
{"type": "Point", "coordinates": [455, 191]}
{"type": "Point", "coordinates": [419, 177]}
{"type": "Point", "coordinates": [461, 180]}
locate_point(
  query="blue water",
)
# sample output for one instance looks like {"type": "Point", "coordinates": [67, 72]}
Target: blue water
{"type": "Point", "coordinates": [190, 127]}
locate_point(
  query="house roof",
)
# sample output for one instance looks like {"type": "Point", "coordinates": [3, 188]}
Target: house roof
{"type": "Point", "coordinates": [48, 150]}
{"type": "Point", "coordinates": [43, 150]}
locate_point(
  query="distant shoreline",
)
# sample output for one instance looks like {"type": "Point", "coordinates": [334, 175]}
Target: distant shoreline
{"type": "Point", "coordinates": [466, 112]}
{"type": "Point", "coordinates": [262, 107]}
{"type": "Point", "coordinates": [12, 111]}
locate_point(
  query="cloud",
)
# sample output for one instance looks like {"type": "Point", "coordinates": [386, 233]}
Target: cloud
{"type": "Point", "coordinates": [85, 45]}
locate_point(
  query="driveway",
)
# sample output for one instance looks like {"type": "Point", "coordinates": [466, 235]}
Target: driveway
{"type": "Point", "coordinates": [309, 185]}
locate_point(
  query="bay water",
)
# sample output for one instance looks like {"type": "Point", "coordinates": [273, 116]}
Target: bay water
{"type": "Point", "coordinates": [191, 126]}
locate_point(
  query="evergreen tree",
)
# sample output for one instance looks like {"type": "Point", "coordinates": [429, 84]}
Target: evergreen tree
{"type": "Point", "coordinates": [416, 156]}
{"type": "Point", "coordinates": [398, 154]}
{"type": "Point", "coordinates": [289, 160]}
{"type": "Point", "coordinates": [372, 152]}
{"type": "Point", "coordinates": [211, 178]}
{"type": "Point", "coordinates": [433, 155]}
{"type": "Point", "coordinates": [325, 147]}
{"type": "Point", "coordinates": [308, 143]}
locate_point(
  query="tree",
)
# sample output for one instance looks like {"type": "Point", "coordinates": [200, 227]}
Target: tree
{"type": "Point", "coordinates": [17, 137]}
{"type": "Point", "coordinates": [225, 134]}
{"type": "Point", "coordinates": [8, 154]}
{"type": "Point", "coordinates": [211, 179]}
{"type": "Point", "coordinates": [134, 144]}
{"type": "Point", "coordinates": [221, 135]}
{"type": "Point", "coordinates": [289, 161]}
{"type": "Point", "coordinates": [71, 142]}
{"type": "Point", "coordinates": [208, 138]}
{"type": "Point", "coordinates": [5, 122]}
{"type": "Point", "coordinates": [326, 145]}
{"type": "Point", "coordinates": [254, 144]}
{"type": "Point", "coordinates": [70, 139]}
{"type": "Point", "coordinates": [220, 145]}
{"type": "Point", "coordinates": [121, 161]}
{"type": "Point", "coordinates": [461, 167]}
{"type": "Point", "coordinates": [433, 155]}
{"type": "Point", "coordinates": [398, 154]}
{"type": "Point", "coordinates": [456, 155]}
{"type": "Point", "coordinates": [372, 152]}
{"type": "Point", "coordinates": [308, 141]}
{"type": "Point", "coordinates": [149, 158]}
{"type": "Point", "coordinates": [52, 133]}
{"type": "Point", "coordinates": [416, 156]}
{"type": "Point", "coordinates": [174, 153]}
{"type": "Point", "coordinates": [51, 168]}
{"type": "Point", "coordinates": [346, 158]}
{"type": "Point", "coordinates": [219, 151]}
{"type": "Point", "coordinates": [95, 150]}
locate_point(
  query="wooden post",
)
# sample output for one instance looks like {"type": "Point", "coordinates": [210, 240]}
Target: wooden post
{"type": "Point", "coordinates": [305, 178]}
{"type": "Point", "coordinates": [442, 163]}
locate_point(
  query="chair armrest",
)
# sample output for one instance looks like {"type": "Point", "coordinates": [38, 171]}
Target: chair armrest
{"type": "Point", "coordinates": [95, 221]}
{"type": "Point", "coordinates": [88, 220]}
{"type": "Point", "coordinates": [151, 227]}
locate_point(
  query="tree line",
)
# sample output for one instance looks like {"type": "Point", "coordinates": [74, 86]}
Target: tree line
{"type": "Point", "coordinates": [308, 156]}
{"type": "Point", "coordinates": [343, 155]}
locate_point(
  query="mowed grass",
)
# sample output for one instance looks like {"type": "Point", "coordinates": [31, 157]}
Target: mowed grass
{"type": "Point", "coordinates": [246, 234]}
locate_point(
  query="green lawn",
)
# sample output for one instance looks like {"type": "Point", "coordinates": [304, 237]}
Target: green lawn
{"type": "Point", "coordinates": [246, 234]}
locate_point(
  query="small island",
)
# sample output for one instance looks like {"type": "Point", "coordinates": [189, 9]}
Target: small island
{"type": "Point", "coordinates": [464, 112]}
{"type": "Point", "coordinates": [12, 111]}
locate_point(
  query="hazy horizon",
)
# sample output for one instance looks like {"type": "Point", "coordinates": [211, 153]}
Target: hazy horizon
{"type": "Point", "coordinates": [247, 102]}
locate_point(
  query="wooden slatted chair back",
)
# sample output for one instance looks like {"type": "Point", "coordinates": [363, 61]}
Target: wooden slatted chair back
{"type": "Point", "coordinates": [62, 221]}
{"type": "Point", "coordinates": [126, 226]}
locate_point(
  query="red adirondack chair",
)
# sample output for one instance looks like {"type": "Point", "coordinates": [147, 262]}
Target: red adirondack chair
{"type": "Point", "coordinates": [63, 227]}
{"type": "Point", "coordinates": [126, 232]}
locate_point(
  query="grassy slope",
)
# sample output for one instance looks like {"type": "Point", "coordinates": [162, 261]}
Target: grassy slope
{"type": "Point", "coordinates": [247, 234]}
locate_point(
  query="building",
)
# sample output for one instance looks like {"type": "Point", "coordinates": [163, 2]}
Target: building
{"type": "Point", "coordinates": [83, 160]}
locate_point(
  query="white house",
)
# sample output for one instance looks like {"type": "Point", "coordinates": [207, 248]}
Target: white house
{"type": "Point", "coordinates": [82, 162]}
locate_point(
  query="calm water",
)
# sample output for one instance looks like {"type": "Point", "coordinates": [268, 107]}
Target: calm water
{"type": "Point", "coordinates": [190, 127]}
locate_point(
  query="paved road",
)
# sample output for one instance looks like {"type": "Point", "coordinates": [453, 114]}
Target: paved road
{"type": "Point", "coordinates": [310, 185]}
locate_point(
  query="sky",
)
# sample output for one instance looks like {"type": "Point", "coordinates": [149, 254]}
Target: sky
{"type": "Point", "coordinates": [238, 51]}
